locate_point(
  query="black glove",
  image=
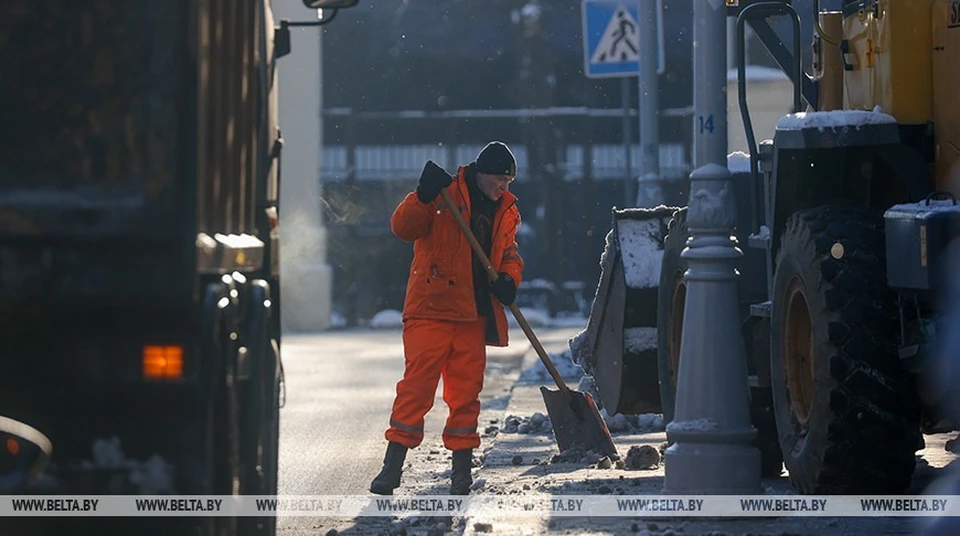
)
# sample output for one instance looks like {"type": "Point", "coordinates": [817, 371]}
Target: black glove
{"type": "Point", "coordinates": [432, 179]}
{"type": "Point", "coordinates": [504, 289]}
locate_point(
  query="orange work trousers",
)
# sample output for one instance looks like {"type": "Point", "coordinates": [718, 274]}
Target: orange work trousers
{"type": "Point", "coordinates": [433, 348]}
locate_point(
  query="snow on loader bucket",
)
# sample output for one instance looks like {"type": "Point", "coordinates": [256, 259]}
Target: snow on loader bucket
{"type": "Point", "coordinates": [619, 346]}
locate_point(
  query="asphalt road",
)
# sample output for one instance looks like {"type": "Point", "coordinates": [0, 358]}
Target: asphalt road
{"type": "Point", "coordinates": [339, 390]}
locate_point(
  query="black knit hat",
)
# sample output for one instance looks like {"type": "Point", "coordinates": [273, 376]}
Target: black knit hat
{"type": "Point", "coordinates": [496, 159]}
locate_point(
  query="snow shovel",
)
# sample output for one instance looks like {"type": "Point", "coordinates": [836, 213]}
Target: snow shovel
{"type": "Point", "coordinates": [573, 414]}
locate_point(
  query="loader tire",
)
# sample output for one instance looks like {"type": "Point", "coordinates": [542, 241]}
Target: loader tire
{"type": "Point", "coordinates": [847, 412]}
{"type": "Point", "coordinates": [670, 301]}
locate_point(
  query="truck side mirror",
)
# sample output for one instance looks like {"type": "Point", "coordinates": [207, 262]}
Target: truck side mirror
{"type": "Point", "coordinates": [329, 4]}
{"type": "Point", "coordinates": [282, 44]}
{"type": "Point", "coordinates": [24, 453]}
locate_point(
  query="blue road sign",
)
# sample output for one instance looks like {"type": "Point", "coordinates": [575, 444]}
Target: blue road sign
{"type": "Point", "coordinates": [611, 38]}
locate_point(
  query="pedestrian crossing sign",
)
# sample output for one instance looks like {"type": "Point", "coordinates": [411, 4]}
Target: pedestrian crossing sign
{"type": "Point", "coordinates": [611, 38]}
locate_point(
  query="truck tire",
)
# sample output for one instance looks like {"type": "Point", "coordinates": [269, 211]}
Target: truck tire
{"type": "Point", "coordinates": [225, 420]}
{"type": "Point", "coordinates": [847, 412]}
{"type": "Point", "coordinates": [670, 304]}
{"type": "Point", "coordinates": [269, 453]}
{"type": "Point", "coordinates": [270, 444]}
{"type": "Point", "coordinates": [261, 416]}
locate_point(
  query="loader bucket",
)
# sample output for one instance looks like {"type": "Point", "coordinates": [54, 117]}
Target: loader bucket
{"type": "Point", "coordinates": [619, 346]}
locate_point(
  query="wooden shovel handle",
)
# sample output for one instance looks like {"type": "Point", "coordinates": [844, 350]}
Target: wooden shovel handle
{"type": "Point", "coordinates": [524, 325]}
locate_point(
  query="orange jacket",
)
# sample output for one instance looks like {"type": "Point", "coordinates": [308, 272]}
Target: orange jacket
{"type": "Point", "coordinates": [440, 284]}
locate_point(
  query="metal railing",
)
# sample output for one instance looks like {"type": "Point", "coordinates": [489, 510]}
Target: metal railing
{"type": "Point", "coordinates": [390, 162]}
{"type": "Point", "coordinates": [573, 170]}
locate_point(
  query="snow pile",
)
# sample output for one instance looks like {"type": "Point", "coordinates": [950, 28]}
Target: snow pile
{"type": "Point", "coordinates": [337, 320]}
{"type": "Point", "coordinates": [388, 318]}
{"type": "Point", "coordinates": [538, 423]}
{"type": "Point", "coordinates": [643, 423]}
{"type": "Point", "coordinates": [564, 364]}
{"type": "Point", "coordinates": [636, 340]}
{"type": "Point", "coordinates": [641, 251]}
{"type": "Point", "coordinates": [738, 162]}
{"type": "Point", "coordinates": [834, 119]}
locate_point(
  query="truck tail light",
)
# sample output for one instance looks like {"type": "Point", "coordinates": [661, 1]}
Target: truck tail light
{"type": "Point", "coordinates": [163, 362]}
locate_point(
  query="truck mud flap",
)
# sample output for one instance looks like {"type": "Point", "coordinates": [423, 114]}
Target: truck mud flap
{"type": "Point", "coordinates": [619, 346]}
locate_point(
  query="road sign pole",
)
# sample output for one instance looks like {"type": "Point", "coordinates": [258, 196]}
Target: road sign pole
{"type": "Point", "coordinates": [649, 187]}
{"type": "Point", "coordinates": [612, 49]}
{"type": "Point", "coordinates": [628, 195]}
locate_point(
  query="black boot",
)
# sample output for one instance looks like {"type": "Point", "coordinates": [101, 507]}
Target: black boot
{"type": "Point", "coordinates": [389, 477]}
{"type": "Point", "coordinates": [460, 478]}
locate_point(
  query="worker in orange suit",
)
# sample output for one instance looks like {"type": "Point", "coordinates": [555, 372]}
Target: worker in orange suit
{"type": "Point", "coordinates": [452, 310]}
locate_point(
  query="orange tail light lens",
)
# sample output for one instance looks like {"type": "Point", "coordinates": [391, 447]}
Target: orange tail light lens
{"type": "Point", "coordinates": [163, 362]}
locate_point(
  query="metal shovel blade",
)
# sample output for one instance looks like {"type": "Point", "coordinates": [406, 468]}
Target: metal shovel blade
{"type": "Point", "coordinates": [578, 421]}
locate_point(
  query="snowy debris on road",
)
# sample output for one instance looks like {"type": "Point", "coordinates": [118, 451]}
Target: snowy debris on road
{"type": "Point", "coordinates": [642, 457]}
{"type": "Point", "coordinates": [578, 453]}
{"type": "Point", "coordinates": [388, 318]}
{"type": "Point", "coordinates": [643, 423]}
{"type": "Point", "coordinates": [538, 423]}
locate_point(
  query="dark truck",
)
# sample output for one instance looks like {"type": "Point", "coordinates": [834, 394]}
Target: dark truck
{"type": "Point", "coordinates": [139, 274]}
